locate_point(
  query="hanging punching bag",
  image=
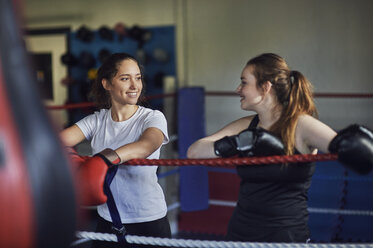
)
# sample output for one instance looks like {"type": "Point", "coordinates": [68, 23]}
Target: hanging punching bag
{"type": "Point", "coordinates": [37, 197]}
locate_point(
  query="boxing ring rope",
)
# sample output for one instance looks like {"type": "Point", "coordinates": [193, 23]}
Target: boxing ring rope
{"type": "Point", "coordinates": [166, 242]}
{"type": "Point", "coordinates": [70, 106]}
{"type": "Point", "coordinates": [224, 162]}
{"type": "Point", "coordinates": [316, 95]}
{"type": "Point", "coordinates": [208, 93]}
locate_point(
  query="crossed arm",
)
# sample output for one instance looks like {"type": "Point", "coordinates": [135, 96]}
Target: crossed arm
{"type": "Point", "coordinates": [149, 141]}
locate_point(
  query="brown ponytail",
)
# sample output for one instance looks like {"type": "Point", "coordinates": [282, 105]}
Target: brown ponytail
{"type": "Point", "coordinates": [293, 91]}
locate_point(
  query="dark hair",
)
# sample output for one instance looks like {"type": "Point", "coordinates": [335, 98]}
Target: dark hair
{"type": "Point", "coordinates": [107, 71]}
{"type": "Point", "coordinates": [293, 91]}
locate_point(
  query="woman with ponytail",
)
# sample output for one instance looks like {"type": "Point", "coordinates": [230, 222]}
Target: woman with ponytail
{"type": "Point", "coordinates": [129, 199]}
{"type": "Point", "coordinates": [272, 203]}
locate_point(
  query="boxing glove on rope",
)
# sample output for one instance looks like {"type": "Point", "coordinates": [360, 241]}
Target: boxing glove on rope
{"type": "Point", "coordinates": [74, 157]}
{"type": "Point", "coordinates": [91, 176]}
{"type": "Point", "coordinates": [248, 143]}
{"type": "Point", "coordinates": [354, 146]}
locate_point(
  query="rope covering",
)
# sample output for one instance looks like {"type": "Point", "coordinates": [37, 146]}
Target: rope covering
{"type": "Point", "coordinates": [298, 158]}
{"type": "Point", "coordinates": [91, 104]}
{"type": "Point", "coordinates": [209, 93]}
{"type": "Point", "coordinates": [320, 94]}
{"type": "Point", "coordinates": [166, 242]}
{"type": "Point", "coordinates": [72, 106]}
{"type": "Point", "coordinates": [310, 209]}
{"type": "Point", "coordinates": [341, 211]}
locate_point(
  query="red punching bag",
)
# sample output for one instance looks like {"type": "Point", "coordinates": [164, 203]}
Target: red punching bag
{"type": "Point", "coordinates": [15, 201]}
{"type": "Point", "coordinates": [37, 196]}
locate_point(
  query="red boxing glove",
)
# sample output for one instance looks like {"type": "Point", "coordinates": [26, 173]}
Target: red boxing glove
{"type": "Point", "coordinates": [75, 158]}
{"type": "Point", "coordinates": [91, 177]}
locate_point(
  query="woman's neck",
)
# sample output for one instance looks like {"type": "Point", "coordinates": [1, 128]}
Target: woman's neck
{"type": "Point", "coordinates": [269, 113]}
{"type": "Point", "coordinates": [267, 119]}
{"type": "Point", "coordinates": [123, 112]}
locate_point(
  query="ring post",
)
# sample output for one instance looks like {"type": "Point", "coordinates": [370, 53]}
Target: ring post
{"type": "Point", "coordinates": [194, 191]}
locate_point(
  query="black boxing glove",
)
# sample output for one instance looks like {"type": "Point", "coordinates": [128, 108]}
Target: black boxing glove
{"type": "Point", "coordinates": [248, 143]}
{"type": "Point", "coordinates": [226, 147]}
{"type": "Point", "coordinates": [354, 146]}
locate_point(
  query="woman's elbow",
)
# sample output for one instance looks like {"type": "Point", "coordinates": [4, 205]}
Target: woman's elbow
{"type": "Point", "coordinates": [192, 152]}
{"type": "Point", "coordinates": [201, 149]}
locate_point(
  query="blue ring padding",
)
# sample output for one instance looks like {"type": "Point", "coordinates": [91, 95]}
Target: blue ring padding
{"type": "Point", "coordinates": [194, 188]}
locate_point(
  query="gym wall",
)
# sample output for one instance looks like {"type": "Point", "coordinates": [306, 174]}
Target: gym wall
{"type": "Point", "coordinates": [331, 42]}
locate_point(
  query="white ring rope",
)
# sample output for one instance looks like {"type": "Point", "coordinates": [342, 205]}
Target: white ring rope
{"type": "Point", "coordinates": [133, 239]}
{"type": "Point", "coordinates": [311, 210]}
{"type": "Point", "coordinates": [223, 203]}
{"type": "Point", "coordinates": [340, 211]}
{"type": "Point", "coordinates": [80, 241]}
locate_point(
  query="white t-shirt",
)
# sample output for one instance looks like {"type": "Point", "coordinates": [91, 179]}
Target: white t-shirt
{"type": "Point", "coordinates": [137, 194]}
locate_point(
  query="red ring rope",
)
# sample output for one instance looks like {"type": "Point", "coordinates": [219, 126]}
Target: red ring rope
{"type": "Point", "coordinates": [91, 104]}
{"type": "Point", "coordinates": [209, 93]}
{"type": "Point", "coordinates": [331, 95]}
{"type": "Point", "coordinates": [72, 106]}
{"type": "Point", "coordinates": [218, 162]}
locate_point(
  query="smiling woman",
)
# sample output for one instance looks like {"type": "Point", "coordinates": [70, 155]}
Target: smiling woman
{"type": "Point", "coordinates": [125, 87]}
{"type": "Point", "coordinates": [273, 198]}
{"type": "Point", "coordinates": [119, 73]}
{"type": "Point", "coordinates": [122, 130]}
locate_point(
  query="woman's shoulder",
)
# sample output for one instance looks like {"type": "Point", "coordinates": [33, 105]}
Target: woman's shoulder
{"type": "Point", "coordinates": [236, 126]}
{"type": "Point", "coordinates": [101, 113]}
{"type": "Point", "coordinates": [310, 124]}
{"type": "Point", "coordinates": [304, 123]}
{"type": "Point", "coordinates": [245, 121]}
{"type": "Point", "coordinates": [149, 112]}
{"type": "Point", "coordinates": [313, 132]}
{"type": "Point", "coordinates": [96, 115]}
{"type": "Point", "coordinates": [305, 120]}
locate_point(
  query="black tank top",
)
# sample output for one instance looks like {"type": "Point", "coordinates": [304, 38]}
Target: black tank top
{"type": "Point", "coordinates": [272, 204]}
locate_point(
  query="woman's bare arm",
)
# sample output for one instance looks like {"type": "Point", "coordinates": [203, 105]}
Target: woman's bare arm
{"type": "Point", "coordinates": [148, 143]}
{"type": "Point", "coordinates": [72, 136]}
{"type": "Point", "coordinates": [204, 148]}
